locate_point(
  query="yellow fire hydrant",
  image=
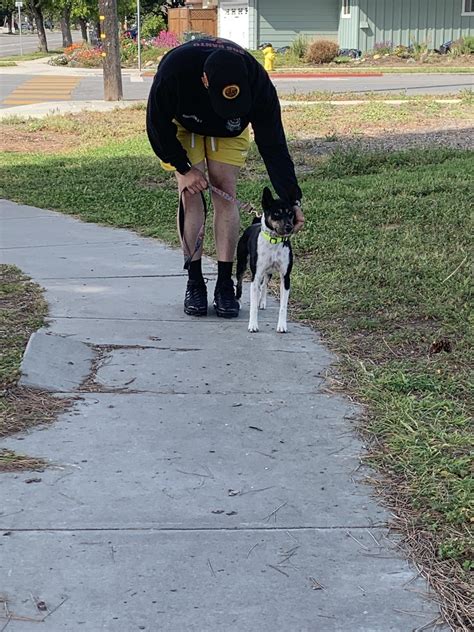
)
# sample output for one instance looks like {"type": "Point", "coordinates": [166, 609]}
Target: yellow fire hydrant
{"type": "Point", "coordinates": [269, 58]}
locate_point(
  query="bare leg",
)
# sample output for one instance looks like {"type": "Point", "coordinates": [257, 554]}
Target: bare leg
{"type": "Point", "coordinates": [194, 216]}
{"type": "Point", "coordinates": [226, 218]}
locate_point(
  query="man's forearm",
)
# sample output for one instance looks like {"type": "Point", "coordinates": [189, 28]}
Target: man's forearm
{"type": "Point", "coordinates": [281, 171]}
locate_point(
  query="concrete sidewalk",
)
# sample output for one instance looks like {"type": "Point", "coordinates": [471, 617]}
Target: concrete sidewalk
{"type": "Point", "coordinates": [204, 479]}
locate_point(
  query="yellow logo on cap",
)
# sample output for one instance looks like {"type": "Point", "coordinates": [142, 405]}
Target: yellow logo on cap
{"type": "Point", "coordinates": [231, 92]}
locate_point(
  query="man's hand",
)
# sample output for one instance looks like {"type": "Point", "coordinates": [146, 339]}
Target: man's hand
{"type": "Point", "coordinates": [194, 181]}
{"type": "Point", "coordinates": [299, 223]}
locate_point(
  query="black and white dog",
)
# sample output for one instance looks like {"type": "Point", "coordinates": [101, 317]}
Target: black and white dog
{"type": "Point", "coordinates": [267, 244]}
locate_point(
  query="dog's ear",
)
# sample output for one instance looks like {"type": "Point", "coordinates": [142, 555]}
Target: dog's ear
{"type": "Point", "coordinates": [267, 198]}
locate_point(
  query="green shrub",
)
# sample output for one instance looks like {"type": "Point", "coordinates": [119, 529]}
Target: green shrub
{"type": "Point", "coordinates": [402, 51]}
{"type": "Point", "coordinates": [463, 46]}
{"type": "Point", "coordinates": [322, 52]}
{"type": "Point", "coordinates": [128, 50]}
{"type": "Point", "coordinates": [299, 47]}
{"type": "Point", "coordinates": [419, 50]}
{"type": "Point", "coordinates": [58, 60]}
{"type": "Point", "coordinates": [152, 25]}
{"type": "Point", "coordinates": [343, 60]}
{"type": "Point", "coordinates": [468, 42]}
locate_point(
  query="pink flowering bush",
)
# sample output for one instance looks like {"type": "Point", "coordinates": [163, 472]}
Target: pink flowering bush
{"type": "Point", "coordinates": [165, 39]}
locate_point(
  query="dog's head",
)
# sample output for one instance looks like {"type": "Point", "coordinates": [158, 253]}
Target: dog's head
{"type": "Point", "coordinates": [279, 216]}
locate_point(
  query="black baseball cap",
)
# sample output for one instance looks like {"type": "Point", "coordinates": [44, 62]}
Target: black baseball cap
{"type": "Point", "coordinates": [229, 88]}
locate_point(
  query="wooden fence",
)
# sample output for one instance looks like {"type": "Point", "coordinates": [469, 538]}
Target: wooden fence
{"type": "Point", "coordinates": [184, 20]}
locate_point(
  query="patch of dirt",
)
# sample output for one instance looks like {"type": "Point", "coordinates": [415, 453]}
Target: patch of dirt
{"type": "Point", "coordinates": [19, 141]}
{"type": "Point", "coordinates": [452, 134]}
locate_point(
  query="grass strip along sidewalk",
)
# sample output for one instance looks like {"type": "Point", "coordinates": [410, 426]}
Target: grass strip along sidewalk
{"type": "Point", "coordinates": [22, 312]}
{"type": "Point", "coordinates": [381, 270]}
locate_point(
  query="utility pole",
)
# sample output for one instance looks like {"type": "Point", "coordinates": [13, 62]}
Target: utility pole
{"type": "Point", "coordinates": [139, 37]}
{"type": "Point", "coordinates": [109, 35]}
{"type": "Point", "coordinates": [19, 6]}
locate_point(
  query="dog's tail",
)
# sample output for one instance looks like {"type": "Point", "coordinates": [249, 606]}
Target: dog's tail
{"type": "Point", "coordinates": [242, 258]}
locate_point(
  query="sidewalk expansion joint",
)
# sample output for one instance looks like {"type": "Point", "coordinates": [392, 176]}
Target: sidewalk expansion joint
{"type": "Point", "coordinates": [123, 276]}
{"type": "Point", "coordinates": [179, 321]}
{"type": "Point", "coordinates": [123, 390]}
{"type": "Point", "coordinates": [380, 526]}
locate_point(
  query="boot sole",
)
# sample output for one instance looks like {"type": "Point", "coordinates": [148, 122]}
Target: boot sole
{"type": "Point", "coordinates": [224, 314]}
{"type": "Point", "coordinates": [190, 312]}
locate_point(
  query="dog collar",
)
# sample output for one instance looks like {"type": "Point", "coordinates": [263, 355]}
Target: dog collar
{"type": "Point", "coordinates": [272, 239]}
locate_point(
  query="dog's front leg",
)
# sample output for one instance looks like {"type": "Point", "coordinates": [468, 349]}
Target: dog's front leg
{"type": "Point", "coordinates": [254, 295]}
{"type": "Point", "coordinates": [262, 301]}
{"type": "Point", "coordinates": [282, 327]}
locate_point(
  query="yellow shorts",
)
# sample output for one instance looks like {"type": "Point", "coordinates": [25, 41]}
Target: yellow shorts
{"type": "Point", "coordinates": [230, 151]}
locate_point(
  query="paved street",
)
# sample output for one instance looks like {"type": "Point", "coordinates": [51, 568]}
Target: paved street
{"type": "Point", "coordinates": [192, 489]}
{"type": "Point", "coordinates": [390, 84]}
{"type": "Point", "coordinates": [19, 88]}
{"type": "Point", "coordinates": [10, 44]}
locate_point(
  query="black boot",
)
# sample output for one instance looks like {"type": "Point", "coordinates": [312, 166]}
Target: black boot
{"type": "Point", "coordinates": [195, 300]}
{"type": "Point", "coordinates": [225, 303]}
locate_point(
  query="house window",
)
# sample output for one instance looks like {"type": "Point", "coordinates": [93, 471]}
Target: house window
{"type": "Point", "coordinates": [467, 7]}
{"type": "Point", "coordinates": [346, 9]}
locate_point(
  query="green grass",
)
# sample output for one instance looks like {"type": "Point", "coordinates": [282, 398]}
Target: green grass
{"type": "Point", "coordinates": [3, 63]}
{"type": "Point", "coordinates": [382, 270]}
{"type": "Point", "coordinates": [31, 56]}
{"type": "Point", "coordinates": [421, 100]}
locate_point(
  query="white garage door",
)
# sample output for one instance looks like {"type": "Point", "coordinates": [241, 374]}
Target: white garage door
{"type": "Point", "coordinates": [234, 22]}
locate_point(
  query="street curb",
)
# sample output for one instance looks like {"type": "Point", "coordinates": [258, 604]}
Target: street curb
{"type": "Point", "coordinates": [322, 75]}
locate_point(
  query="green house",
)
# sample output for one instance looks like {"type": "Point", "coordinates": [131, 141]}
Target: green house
{"type": "Point", "coordinates": [363, 23]}
{"type": "Point", "coordinates": [353, 23]}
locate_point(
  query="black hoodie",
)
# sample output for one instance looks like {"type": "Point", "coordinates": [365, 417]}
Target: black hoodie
{"type": "Point", "coordinates": [178, 94]}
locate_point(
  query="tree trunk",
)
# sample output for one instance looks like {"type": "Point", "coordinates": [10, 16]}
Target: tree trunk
{"type": "Point", "coordinates": [38, 17]}
{"type": "Point", "coordinates": [111, 49]}
{"type": "Point", "coordinates": [83, 25]}
{"type": "Point", "coordinates": [66, 26]}
{"type": "Point", "coordinates": [10, 24]}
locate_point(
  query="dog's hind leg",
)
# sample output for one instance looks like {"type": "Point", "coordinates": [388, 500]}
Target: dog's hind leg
{"type": "Point", "coordinates": [254, 295]}
{"type": "Point", "coordinates": [282, 327]}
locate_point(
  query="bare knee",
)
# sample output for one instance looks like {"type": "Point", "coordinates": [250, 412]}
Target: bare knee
{"type": "Point", "coordinates": [224, 184]}
{"type": "Point", "coordinates": [223, 176]}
